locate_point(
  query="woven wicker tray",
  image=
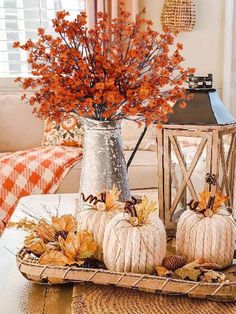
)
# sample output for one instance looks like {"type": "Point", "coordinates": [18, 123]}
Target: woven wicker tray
{"type": "Point", "coordinates": [225, 292]}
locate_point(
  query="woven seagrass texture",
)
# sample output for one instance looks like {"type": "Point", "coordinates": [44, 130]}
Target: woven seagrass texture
{"type": "Point", "coordinates": [93, 299]}
{"type": "Point", "coordinates": [179, 15]}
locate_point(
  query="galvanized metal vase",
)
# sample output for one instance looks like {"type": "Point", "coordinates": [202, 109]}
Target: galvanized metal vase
{"type": "Point", "coordinates": [103, 164]}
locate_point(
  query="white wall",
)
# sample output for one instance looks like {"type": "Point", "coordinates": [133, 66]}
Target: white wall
{"type": "Point", "coordinates": [204, 46]}
{"type": "Point", "coordinates": [233, 78]}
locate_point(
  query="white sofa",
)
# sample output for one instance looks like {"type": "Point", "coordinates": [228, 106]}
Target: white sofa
{"type": "Point", "coordinates": [20, 130]}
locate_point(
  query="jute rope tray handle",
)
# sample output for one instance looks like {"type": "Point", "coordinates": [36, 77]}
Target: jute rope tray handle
{"type": "Point", "coordinates": [224, 292]}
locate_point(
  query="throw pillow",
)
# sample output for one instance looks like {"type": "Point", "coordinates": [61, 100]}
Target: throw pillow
{"type": "Point", "coordinates": [67, 133]}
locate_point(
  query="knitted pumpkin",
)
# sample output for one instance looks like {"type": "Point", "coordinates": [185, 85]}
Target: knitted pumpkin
{"type": "Point", "coordinates": [135, 241]}
{"type": "Point", "coordinates": [100, 209]}
{"type": "Point", "coordinates": [207, 232]}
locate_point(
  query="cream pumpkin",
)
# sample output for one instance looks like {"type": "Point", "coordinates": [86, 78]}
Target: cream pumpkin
{"type": "Point", "coordinates": [100, 209]}
{"type": "Point", "coordinates": [130, 248]}
{"type": "Point", "coordinates": [211, 238]}
{"type": "Point", "coordinates": [95, 222]}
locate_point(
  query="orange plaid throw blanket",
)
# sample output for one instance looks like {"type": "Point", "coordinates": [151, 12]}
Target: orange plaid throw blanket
{"type": "Point", "coordinates": [36, 171]}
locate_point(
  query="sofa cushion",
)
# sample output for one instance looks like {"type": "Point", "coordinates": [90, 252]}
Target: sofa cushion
{"type": "Point", "coordinates": [142, 173]}
{"type": "Point", "coordinates": [19, 129]}
{"type": "Point", "coordinates": [143, 169]}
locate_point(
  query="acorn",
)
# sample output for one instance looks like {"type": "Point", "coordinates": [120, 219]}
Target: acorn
{"type": "Point", "coordinates": [174, 262]}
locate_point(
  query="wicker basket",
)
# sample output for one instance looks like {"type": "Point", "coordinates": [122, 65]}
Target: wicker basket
{"type": "Point", "coordinates": [224, 292]}
{"type": "Point", "coordinates": [179, 15]}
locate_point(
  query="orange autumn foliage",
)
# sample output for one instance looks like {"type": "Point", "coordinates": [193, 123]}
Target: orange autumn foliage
{"type": "Point", "coordinates": [116, 69]}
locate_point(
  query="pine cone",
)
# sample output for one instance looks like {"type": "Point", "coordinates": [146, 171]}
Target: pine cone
{"type": "Point", "coordinates": [174, 262]}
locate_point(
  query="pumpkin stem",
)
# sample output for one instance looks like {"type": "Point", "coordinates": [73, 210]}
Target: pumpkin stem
{"type": "Point", "coordinates": [211, 201]}
{"type": "Point", "coordinates": [130, 207]}
{"type": "Point", "coordinates": [103, 197]}
{"type": "Point", "coordinates": [193, 204]}
{"type": "Point", "coordinates": [211, 180]}
{"type": "Point", "coordinates": [90, 199]}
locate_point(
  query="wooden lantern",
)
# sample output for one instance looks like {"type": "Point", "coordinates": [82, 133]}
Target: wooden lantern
{"type": "Point", "coordinates": [198, 140]}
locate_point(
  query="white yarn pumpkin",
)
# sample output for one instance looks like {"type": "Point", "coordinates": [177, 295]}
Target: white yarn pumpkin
{"type": "Point", "coordinates": [211, 238]}
{"type": "Point", "coordinates": [95, 222]}
{"type": "Point", "coordinates": [137, 249]}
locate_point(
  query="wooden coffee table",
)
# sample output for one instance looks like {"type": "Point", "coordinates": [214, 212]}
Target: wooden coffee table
{"type": "Point", "coordinates": [17, 294]}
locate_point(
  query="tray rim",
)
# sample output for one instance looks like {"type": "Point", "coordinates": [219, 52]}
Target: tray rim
{"type": "Point", "coordinates": [164, 281]}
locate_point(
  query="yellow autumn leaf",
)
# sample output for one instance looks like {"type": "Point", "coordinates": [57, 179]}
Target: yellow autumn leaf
{"type": "Point", "coordinates": [35, 245]}
{"type": "Point", "coordinates": [53, 246]}
{"type": "Point", "coordinates": [45, 231]}
{"type": "Point", "coordinates": [219, 201]}
{"type": "Point", "coordinates": [87, 246]}
{"type": "Point", "coordinates": [78, 246]}
{"type": "Point", "coordinates": [69, 246]}
{"type": "Point", "coordinates": [144, 209]}
{"type": "Point", "coordinates": [164, 272]}
{"type": "Point", "coordinates": [53, 258]}
{"type": "Point", "coordinates": [188, 273]}
{"type": "Point", "coordinates": [112, 199]}
{"type": "Point", "coordinates": [213, 276]}
{"type": "Point", "coordinates": [203, 199]}
{"type": "Point", "coordinates": [65, 223]}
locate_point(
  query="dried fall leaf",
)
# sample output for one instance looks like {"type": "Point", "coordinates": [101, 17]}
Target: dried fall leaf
{"type": "Point", "coordinates": [69, 246]}
{"type": "Point", "coordinates": [53, 246]}
{"type": "Point", "coordinates": [144, 209]}
{"type": "Point", "coordinates": [112, 199]}
{"type": "Point", "coordinates": [207, 265]}
{"type": "Point", "coordinates": [53, 258]}
{"type": "Point", "coordinates": [45, 231]}
{"type": "Point", "coordinates": [213, 276]}
{"type": "Point", "coordinates": [188, 273]}
{"type": "Point", "coordinates": [219, 200]}
{"type": "Point", "coordinates": [78, 246]}
{"type": "Point", "coordinates": [65, 223]}
{"type": "Point", "coordinates": [24, 224]}
{"type": "Point", "coordinates": [87, 246]}
{"type": "Point", "coordinates": [196, 263]}
{"type": "Point", "coordinates": [203, 199]}
{"type": "Point", "coordinates": [35, 245]}
{"type": "Point", "coordinates": [199, 270]}
{"type": "Point", "coordinates": [164, 272]}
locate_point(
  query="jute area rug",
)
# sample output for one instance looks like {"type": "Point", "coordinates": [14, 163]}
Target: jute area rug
{"type": "Point", "coordinates": [89, 298]}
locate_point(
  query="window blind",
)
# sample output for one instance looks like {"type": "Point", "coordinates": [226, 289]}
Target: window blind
{"type": "Point", "coordinates": [19, 21]}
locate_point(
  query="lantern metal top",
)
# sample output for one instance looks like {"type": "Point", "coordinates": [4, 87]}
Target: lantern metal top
{"type": "Point", "coordinates": [204, 108]}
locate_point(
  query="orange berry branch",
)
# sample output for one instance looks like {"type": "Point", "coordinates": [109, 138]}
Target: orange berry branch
{"type": "Point", "coordinates": [114, 70]}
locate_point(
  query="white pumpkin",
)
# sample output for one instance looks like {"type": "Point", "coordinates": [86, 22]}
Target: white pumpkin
{"type": "Point", "coordinates": [100, 209]}
{"type": "Point", "coordinates": [137, 249]}
{"type": "Point", "coordinates": [95, 222]}
{"type": "Point", "coordinates": [211, 238]}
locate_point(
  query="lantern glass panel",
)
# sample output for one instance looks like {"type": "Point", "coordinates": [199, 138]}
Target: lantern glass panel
{"type": "Point", "coordinates": [181, 163]}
